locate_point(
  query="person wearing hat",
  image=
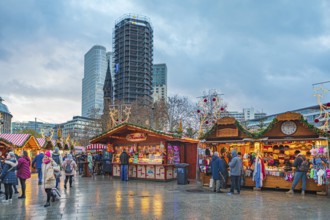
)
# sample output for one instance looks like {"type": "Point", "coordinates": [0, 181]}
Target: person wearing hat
{"type": "Point", "coordinates": [37, 163]}
{"type": "Point", "coordinates": [57, 157]}
{"type": "Point", "coordinates": [69, 166]}
{"type": "Point", "coordinates": [218, 170]}
{"type": "Point", "coordinates": [8, 176]}
{"type": "Point", "coordinates": [49, 166]}
{"type": "Point", "coordinates": [236, 166]}
{"type": "Point", "coordinates": [23, 171]}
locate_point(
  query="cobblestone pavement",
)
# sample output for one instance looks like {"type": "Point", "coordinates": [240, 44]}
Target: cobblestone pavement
{"type": "Point", "coordinates": [106, 198]}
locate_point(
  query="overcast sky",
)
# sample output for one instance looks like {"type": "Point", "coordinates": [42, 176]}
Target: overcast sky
{"type": "Point", "coordinates": [261, 54]}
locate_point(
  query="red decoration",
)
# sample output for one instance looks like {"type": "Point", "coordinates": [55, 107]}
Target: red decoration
{"type": "Point", "coordinates": [222, 109]}
{"type": "Point", "coordinates": [214, 99]}
{"type": "Point", "coordinates": [316, 120]}
{"type": "Point", "coordinates": [328, 104]}
{"type": "Point", "coordinates": [206, 122]}
{"type": "Point", "coordinates": [328, 132]}
{"type": "Point", "coordinates": [198, 111]}
{"type": "Point", "coordinates": [117, 120]}
{"type": "Point", "coordinates": [205, 100]}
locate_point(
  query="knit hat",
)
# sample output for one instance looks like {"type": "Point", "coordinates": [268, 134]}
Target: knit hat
{"type": "Point", "coordinates": [69, 156]}
{"type": "Point", "coordinates": [11, 154]}
{"type": "Point", "coordinates": [56, 149]}
{"type": "Point", "coordinates": [234, 153]}
{"type": "Point", "coordinates": [47, 153]}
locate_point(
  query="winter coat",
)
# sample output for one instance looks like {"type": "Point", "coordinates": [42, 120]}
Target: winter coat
{"type": "Point", "coordinates": [49, 180]}
{"type": "Point", "coordinates": [124, 158]}
{"type": "Point", "coordinates": [8, 175]}
{"type": "Point", "coordinates": [217, 164]}
{"type": "Point", "coordinates": [57, 158]}
{"type": "Point", "coordinates": [23, 168]}
{"type": "Point", "coordinates": [236, 166]}
{"type": "Point", "coordinates": [71, 163]}
{"type": "Point", "coordinates": [90, 162]}
{"type": "Point", "coordinates": [38, 160]}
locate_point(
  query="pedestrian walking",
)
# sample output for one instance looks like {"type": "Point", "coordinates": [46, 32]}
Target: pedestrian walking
{"type": "Point", "coordinates": [57, 157]}
{"type": "Point", "coordinates": [8, 176]}
{"type": "Point", "coordinates": [37, 163]}
{"type": "Point", "coordinates": [124, 160]}
{"type": "Point", "coordinates": [236, 166]}
{"type": "Point", "coordinates": [218, 170]}
{"type": "Point", "coordinates": [90, 163]}
{"type": "Point", "coordinates": [302, 166]}
{"type": "Point", "coordinates": [69, 166]}
{"type": "Point", "coordinates": [49, 166]}
{"type": "Point", "coordinates": [23, 171]}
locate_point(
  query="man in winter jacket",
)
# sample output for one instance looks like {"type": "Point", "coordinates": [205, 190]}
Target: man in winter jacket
{"type": "Point", "coordinates": [299, 173]}
{"type": "Point", "coordinates": [124, 160]}
{"type": "Point", "coordinates": [38, 161]}
{"type": "Point", "coordinates": [218, 170]}
{"type": "Point", "coordinates": [57, 157]}
{"type": "Point", "coordinates": [236, 166]}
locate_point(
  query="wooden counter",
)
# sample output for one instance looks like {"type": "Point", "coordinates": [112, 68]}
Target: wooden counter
{"type": "Point", "coordinates": [160, 172]}
{"type": "Point", "coordinates": [272, 182]}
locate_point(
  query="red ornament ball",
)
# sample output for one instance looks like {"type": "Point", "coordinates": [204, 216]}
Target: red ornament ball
{"type": "Point", "coordinates": [198, 111]}
{"type": "Point", "coordinates": [117, 120]}
{"type": "Point", "coordinates": [214, 99]}
{"type": "Point", "coordinates": [316, 120]}
{"type": "Point", "coordinates": [205, 100]}
{"type": "Point", "coordinates": [222, 109]}
{"type": "Point", "coordinates": [328, 104]}
{"type": "Point", "coordinates": [328, 132]}
{"type": "Point", "coordinates": [206, 122]}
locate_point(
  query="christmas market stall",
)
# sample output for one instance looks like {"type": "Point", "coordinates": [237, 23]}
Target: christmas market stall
{"type": "Point", "coordinates": [289, 132]}
{"type": "Point", "coordinates": [227, 134]}
{"type": "Point", "coordinates": [273, 151]}
{"type": "Point", "coordinates": [153, 154]}
{"type": "Point", "coordinates": [19, 142]}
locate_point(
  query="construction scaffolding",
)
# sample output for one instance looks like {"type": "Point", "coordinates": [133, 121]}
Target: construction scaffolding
{"type": "Point", "coordinates": [133, 59]}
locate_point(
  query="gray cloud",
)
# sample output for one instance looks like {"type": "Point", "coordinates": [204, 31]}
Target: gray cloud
{"type": "Point", "coordinates": [259, 54]}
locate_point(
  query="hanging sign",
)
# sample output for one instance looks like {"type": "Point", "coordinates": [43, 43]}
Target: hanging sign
{"type": "Point", "coordinates": [136, 137]}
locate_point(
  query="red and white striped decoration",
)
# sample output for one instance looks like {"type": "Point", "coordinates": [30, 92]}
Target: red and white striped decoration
{"type": "Point", "coordinates": [96, 147]}
{"type": "Point", "coordinates": [41, 141]}
{"type": "Point", "coordinates": [16, 139]}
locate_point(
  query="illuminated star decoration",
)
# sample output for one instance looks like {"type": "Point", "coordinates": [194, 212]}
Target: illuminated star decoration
{"type": "Point", "coordinates": [320, 92]}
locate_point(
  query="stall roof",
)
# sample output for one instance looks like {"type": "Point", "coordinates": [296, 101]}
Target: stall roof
{"type": "Point", "coordinates": [20, 140]}
{"type": "Point", "coordinates": [127, 128]}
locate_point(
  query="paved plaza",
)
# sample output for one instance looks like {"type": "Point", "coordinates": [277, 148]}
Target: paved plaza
{"type": "Point", "coordinates": [106, 198]}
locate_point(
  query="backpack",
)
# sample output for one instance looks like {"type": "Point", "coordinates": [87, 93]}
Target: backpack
{"type": "Point", "coordinates": [304, 166]}
{"type": "Point", "coordinates": [56, 158]}
{"type": "Point", "coordinates": [68, 168]}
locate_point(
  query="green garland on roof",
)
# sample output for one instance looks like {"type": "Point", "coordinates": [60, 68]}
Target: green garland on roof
{"type": "Point", "coordinates": [313, 128]}
{"type": "Point", "coordinates": [175, 135]}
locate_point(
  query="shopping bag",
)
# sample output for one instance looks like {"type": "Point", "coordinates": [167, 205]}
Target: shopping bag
{"type": "Point", "coordinates": [211, 182]}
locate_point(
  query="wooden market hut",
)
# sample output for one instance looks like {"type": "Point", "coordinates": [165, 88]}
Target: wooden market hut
{"type": "Point", "coordinates": [19, 142]}
{"type": "Point", "coordinates": [156, 152]}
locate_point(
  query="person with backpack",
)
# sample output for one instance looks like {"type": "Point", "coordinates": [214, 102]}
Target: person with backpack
{"type": "Point", "coordinates": [69, 166]}
{"type": "Point", "coordinates": [49, 166]}
{"type": "Point", "coordinates": [57, 157]}
{"type": "Point", "coordinates": [302, 167]}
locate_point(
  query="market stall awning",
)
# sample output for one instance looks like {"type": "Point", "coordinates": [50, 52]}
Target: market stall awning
{"type": "Point", "coordinates": [80, 148]}
{"type": "Point", "coordinates": [18, 140]}
{"type": "Point", "coordinates": [96, 147]}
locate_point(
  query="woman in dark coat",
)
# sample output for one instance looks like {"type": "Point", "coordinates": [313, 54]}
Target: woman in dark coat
{"type": "Point", "coordinates": [218, 170]}
{"type": "Point", "coordinates": [8, 176]}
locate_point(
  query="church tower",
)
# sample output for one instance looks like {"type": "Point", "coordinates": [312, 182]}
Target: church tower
{"type": "Point", "coordinates": [108, 100]}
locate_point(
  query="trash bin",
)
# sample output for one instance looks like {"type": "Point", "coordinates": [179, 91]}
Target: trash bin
{"type": "Point", "coordinates": [182, 173]}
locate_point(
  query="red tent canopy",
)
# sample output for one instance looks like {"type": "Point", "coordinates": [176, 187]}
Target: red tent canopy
{"type": "Point", "coordinates": [96, 147]}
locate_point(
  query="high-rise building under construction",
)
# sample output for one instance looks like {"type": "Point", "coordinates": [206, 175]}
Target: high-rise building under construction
{"type": "Point", "coordinates": [133, 59]}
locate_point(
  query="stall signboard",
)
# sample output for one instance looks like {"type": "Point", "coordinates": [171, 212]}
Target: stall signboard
{"type": "Point", "coordinates": [227, 132]}
{"type": "Point", "coordinates": [134, 137]}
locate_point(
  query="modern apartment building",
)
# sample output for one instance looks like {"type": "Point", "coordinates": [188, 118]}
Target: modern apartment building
{"type": "Point", "coordinates": [5, 118]}
{"type": "Point", "coordinates": [159, 81]}
{"type": "Point", "coordinates": [133, 58]}
{"type": "Point", "coordinates": [95, 67]}
{"type": "Point", "coordinates": [246, 114]}
{"type": "Point", "coordinates": [81, 127]}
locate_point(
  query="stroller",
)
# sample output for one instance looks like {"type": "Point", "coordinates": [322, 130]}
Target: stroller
{"type": "Point", "coordinates": [56, 195]}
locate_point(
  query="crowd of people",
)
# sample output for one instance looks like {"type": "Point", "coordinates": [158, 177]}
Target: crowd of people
{"type": "Point", "coordinates": [50, 166]}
